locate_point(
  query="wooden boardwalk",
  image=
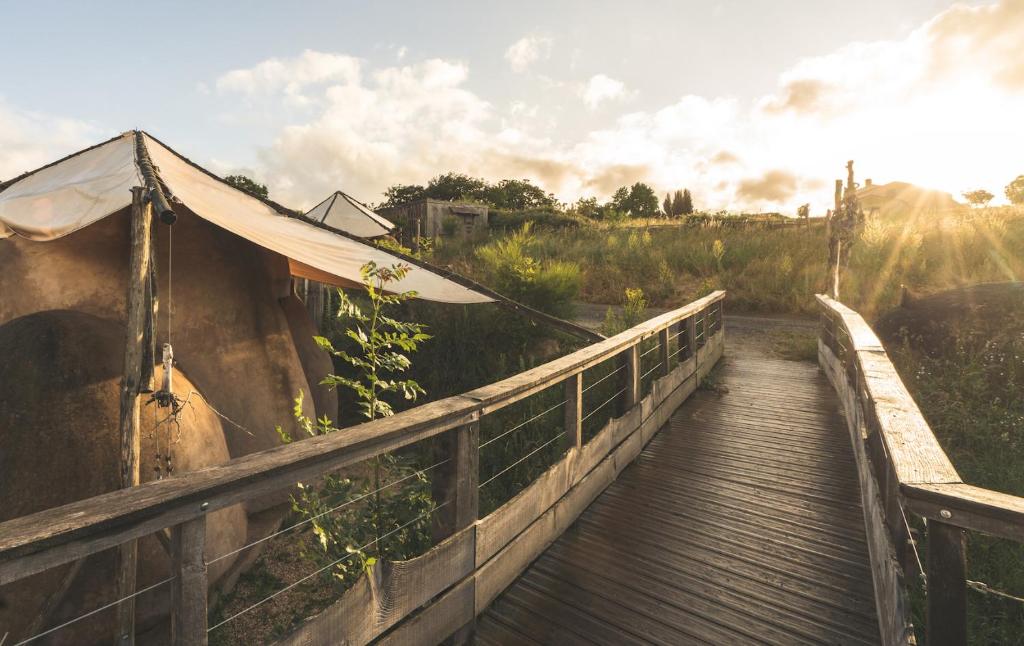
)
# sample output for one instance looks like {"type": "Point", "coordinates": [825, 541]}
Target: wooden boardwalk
{"type": "Point", "coordinates": [740, 522]}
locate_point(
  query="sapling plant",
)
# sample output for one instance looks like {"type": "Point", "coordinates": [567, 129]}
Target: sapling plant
{"type": "Point", "coordinates": [377, 348]}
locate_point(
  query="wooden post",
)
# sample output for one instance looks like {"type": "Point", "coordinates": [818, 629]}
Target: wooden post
{"type": "Point", "coordinates": [663, 341]}
{"type": "Point", "coordinates": [947, 588]}
{"type": "Point", "coordinates": [134, 353]}
{"type": "Point", "coordinates": [188, 588]}
{"type": "Point", "coordinates": [574, 411]}
{"type": "Point", "coordinates": [631, 378]}
{"type": "Point", "coordinates": [691, 334]}
{"type": "Point", "coordinates": [456, 482]}
{"type": "Point", "coordinates": [456, 486]}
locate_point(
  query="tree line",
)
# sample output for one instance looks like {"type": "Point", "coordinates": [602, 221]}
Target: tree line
{"type": "Point", "coordinates": [637, 200]}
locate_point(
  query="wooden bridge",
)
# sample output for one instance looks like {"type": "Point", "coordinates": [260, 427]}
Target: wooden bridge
{"type": "Point", "coordinates": [769, 506]}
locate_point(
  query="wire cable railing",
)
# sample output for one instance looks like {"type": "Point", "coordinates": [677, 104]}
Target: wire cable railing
{"type": "Point", "coordinates": [325, 568]}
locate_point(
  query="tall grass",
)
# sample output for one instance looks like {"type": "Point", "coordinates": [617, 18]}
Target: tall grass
{"type": "Point", "coordinates": [768, 270]}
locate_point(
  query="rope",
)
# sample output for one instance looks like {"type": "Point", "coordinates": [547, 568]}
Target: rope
{"type": "Point", "coordinates": [984, 588]}
{"type": "Point", "coordinates": [93, 612]}
{"type": "Point", "coordinates": [519, 461]}
{"type": "Point", "coordinates": [326, 567]}
{"type": "Point", "coordinates": [170, 276]}
{"type": "Point", "coordinates": [324, 513]}
{"type": "Point", "coordinates": [648, 351]}
{"type": "Point", "coordinates": [610, 399]}
{"type": "Point", "coordinates": [516, 428]}
{"type": "Point", "coordinates": [610, 374]}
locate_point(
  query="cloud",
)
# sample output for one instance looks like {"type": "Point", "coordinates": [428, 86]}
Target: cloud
{"type": "Point", "coordinates": [904, 109]}
{"type": "Point", "coordinates": [31, 139]}
{"type": "Point", "coordinates": [600, 89]}
{"type": "Point", "coordinates": [528, 50]}
{"type": "Point", "coordinates": [291, 76]}
{"type": "Point", "coordinates": [773, 186]}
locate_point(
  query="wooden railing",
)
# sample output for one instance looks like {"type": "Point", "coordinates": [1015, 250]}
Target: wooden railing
{"type": "Point", "coordinates": [902, 471]}
{"type": "Point", "coordinates": [430, 597]}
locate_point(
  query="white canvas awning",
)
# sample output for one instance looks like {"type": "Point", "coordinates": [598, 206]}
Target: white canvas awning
{"type": "Point", "coordinates": [343, 212]}
{"type": "Point", "coordinates": [79, 190]}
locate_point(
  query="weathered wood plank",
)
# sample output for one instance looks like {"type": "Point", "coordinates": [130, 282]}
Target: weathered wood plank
{"type": "Point", "coordinates": [892, 605]}
{"type": "Point", "coordinates": [438, 620]}
{"type": "Point", "coordinates": [947, 585]}
{"type": "Point", "coordinates": [391, 592]}
{"type": "Point", "coordinates": [969, 507]}
{"type": "Point", "coordinates": [189, 585]}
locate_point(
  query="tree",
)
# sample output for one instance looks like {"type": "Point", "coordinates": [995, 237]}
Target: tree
{"type": "Point", "coordinates": [457, 186]}
{"type": "Point", "coordinates": [587, 207]}
{"type": "Point", "coordinates": [677, 204]}
{"type": "Point", "coordinates": [666, 206]}
{"type": "Point", "coordinates": [243, 183]}
{"type": "Point", "coordinates": [643, 201]}
{"type": "Point", "coordinates": [620, 199]}
{"type": "Point", "coordinates": [687, 206]}
{"type": "Point", "coordinates": [978, 198]}
{"type": "Point", "coordinates": [518, 194]}
{"type": "Point", "coordinates": [1015, 190]}
{"type": "Point", "coordinates": [804, 211]}
{"type": "Point", "coordinates": [399, 194]}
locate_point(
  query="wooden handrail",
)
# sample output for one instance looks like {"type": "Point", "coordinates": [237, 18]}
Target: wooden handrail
{"type": "Point", "coordinates": [49, 538]}
{"type": "Point", "coordinates": [924, 472]}
{"type": "Point", "coordinates": [909, 471]}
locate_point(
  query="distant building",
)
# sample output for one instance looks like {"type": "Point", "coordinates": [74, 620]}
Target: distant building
{"type": "Point", "coordinates": [430, 218]}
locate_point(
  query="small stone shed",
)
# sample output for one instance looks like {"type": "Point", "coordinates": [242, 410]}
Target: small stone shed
{"type": "Point", "coordinates": [430, 218]}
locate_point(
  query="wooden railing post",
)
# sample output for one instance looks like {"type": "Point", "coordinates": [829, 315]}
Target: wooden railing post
{"type": "Point", "coordinates": [631, 377]}
{"type": "Point", "coordinates": [663, 341]}
{"type": "Point", "coordinates": [189, 585]}
{"type": "Point", "coordinates": [456, 482]}
{"type": "Point", "coordinates": [457, 493]}
{"type": "Point", "coordinates": [691, 336]}
{"type": "Point", "coordinates": [947, 587]}
{"type": "Point", "coordinates": [574, 411]}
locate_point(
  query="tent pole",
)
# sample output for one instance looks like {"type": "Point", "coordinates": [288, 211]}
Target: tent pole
{"type": "Point", "coordinates": [136, 335]}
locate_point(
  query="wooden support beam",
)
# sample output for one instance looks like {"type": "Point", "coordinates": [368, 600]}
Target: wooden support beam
{"type": "Point", "coordinates": [574, 411]}
{"type": "Point", "coordinates": [456, 486]}
{"type": "Point", "coordinates": [456, 482]}
{"type": "Point", "coordinates": [131, 384]}
{"type": "Point", "coordinates": [663, 341]}
{"type": "Point", "coordinates": [189, 586]}
{"type": "Point", "coordinates": [947, 587]}
{"type": "Point", "coordinates": [631, 377]}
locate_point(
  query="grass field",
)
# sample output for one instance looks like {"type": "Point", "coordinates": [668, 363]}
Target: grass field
{"type": "Point", "coordinates": [764, 270]}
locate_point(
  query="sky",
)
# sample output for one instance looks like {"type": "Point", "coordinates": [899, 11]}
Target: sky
{"type": "Point", "coordinates": [752, 105]}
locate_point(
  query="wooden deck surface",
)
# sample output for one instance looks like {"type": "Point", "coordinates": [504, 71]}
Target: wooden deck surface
{"type": "Point", "coordinates": [739, 523]}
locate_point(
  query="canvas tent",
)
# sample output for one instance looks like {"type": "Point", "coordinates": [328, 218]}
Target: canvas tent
{"type": "Point", "coordinates": [343, 212]}
{"type": "Point", "coordinates": [88, 186]}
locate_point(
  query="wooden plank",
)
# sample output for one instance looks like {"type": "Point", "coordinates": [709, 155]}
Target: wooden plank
{"type": "Point", "coordinates": [887, 576]}
{"type": "Point", "coordinates": [947, 586]}
{"type": "Point", "coordinates": [969, 507]}
{"type": "Point", "coordinates": [393, 590]}
{"type": "Point", "coordinates": [663, 350]}
{"type": "Point", "coordinates": [496, 574]}
{"type": "Point", "coordinates": [455, 484]}
{"type": "Point", "coordinates": [501, 526]}
{"type": "Point", "coordinates": [631, 377]}
{"type": "Point", "coordinates": [137, 338]}
{"type": "Point", "coordinates": [573, 418]}
{"type": "Point", "coordinates": [189, 585]}
{"type": "Point", "coordinates": [438, 620]}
